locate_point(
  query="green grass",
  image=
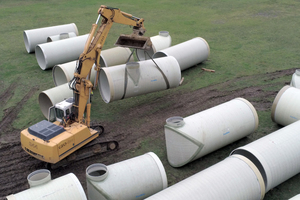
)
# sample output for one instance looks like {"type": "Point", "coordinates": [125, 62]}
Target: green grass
{"type": "Point", "coordinates": [245, 38]}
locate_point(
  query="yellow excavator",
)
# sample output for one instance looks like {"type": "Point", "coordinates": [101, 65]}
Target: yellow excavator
{"type": "Point", "coordinates": [71, 130]}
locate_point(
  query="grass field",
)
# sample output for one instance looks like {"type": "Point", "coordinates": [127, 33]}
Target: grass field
{"type": "Point", "coordinates": [245, 38]}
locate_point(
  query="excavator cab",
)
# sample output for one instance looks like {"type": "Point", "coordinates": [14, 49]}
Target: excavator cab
{"type": "Point", "coordinates": [60, 110]}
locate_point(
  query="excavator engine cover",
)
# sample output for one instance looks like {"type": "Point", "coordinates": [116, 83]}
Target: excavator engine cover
{"type": "Point", "coordinates": [132, 41]}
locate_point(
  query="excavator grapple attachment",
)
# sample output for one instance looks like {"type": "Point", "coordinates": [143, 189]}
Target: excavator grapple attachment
{"type": "Point", "coordinates": [133, 41]}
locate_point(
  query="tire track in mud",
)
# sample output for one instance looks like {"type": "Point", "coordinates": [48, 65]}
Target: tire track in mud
{"type": "Point", "coordinates": [15, 164]}
{"type": "Point", "coordinates": [11, 113]}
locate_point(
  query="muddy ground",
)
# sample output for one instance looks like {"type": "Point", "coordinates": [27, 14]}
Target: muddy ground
{"type": "Point", "coordinates": [15, 164]}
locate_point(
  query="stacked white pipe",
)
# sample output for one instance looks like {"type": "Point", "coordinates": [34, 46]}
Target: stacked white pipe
{"type": "Point", "coordinates": [62, 51]}
{"type": "Point", "coordinates": [286, 106]}
{"type": "Point", "coordinates": [42, 187]}
{"type": "Point", "coordinates": [136, 78]}
{"type": "Point", "coordinates": [233, 178]}
{"type": "Point", "coordinates": [33, 37]}
{"type": "Point", "coordinates": [295, 82]}
{"type": "Point", "coordinates": [159, 42]}
{"type": "Point", "coordinates": [52, 96]}
{"type": "Point", "coordinates": [63, 73]}
{"type": "Point", "coordinates": [135, 178]}
{"type": "Point", "coordinates": [190, 138]}
{"type": "Point", "coordinates": [188, 54]}
{"type": "Point", "coordinates": [277, 155]}
{"type": "Point", "coordinates": [61, 36]}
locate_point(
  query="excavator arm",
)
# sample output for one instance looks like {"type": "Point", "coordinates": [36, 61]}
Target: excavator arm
{"type": "Point", "coordinates": [90, 57]}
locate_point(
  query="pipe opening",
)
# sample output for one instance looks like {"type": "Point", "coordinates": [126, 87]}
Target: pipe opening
{"type": "Point", "coordinates": [164, 33]}
{"type": "Point", "coordinates": [45, 103]}
{"type": "Point", "coordinates": [103, 63]}
{"type": "Point", "coordinates": [297, 72]}
{"type": "Point", "coordinates": [104, 87]}
{"type": "Point", "coordinates": [59, 76]}
{"type": "Point", "coordinates": [159, 54]}
{"type": "Point", "coordinates": [39, 177]}
{"type": "Point", "coordinates": [254, 160]}
{"type": "Point", "coordinates": [97, 172]}
{"type": "Point", "coordinates": [26, 41]}
{"type": "Point", "coordinates": [175, 121]}
{"type": "Point", "coordinates": [40, 57]}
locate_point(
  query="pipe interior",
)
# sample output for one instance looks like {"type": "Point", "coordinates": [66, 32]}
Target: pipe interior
{"type": "Point", "coordinates": [97, 172]}
{"type": "Point", "coordinates": [104, 87]}
{"type": "Point", "coordinates": [40, 57]}
{"type": "Point", "coordinates": [144, 54]}
{"type": "Point", "coordinates": [26, 41]}
{"type": "Point", "coordinates": [38, 175]}
{"type": "Point", "coordinates": [102, 62]}
{"type": "Point", "coordinates": [159, 55]}
{"type": "Point", "coordinates": [59, 76]}
{"type": "Point", "coordinates": [254, 160]}
{"type": "Point", "coordinates": [45, 103]}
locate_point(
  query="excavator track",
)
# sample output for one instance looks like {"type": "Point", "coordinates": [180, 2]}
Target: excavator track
{"type": "Point", "coordinates": [98, 146]}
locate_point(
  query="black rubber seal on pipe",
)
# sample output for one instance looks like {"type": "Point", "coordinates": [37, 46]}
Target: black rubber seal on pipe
{"type": "Point", "coordinates": [254, 160]}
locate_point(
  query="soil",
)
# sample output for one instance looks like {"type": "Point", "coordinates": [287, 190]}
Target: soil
{"type": "Point", "coordinates": [15, 164]}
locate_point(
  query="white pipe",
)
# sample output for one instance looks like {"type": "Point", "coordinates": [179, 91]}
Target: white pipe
{"type": "Point", "coordinates": [61, 36]}
{"type": "Point", "coordinates": [295, 82]}
{"type": "Point", "coordinates": [276, 155]}
{"type": "Point", "coordinates": [286, 106]}
{"type": "Point", "coordinates": [63, 73]}
{"type": "Point", "coordinates": [188, 53]}
{"type": "Point", "coordinates": [135, 178]}
{"type": "Point", "coordinates": [115, 56]}
{"type": "Point", "coordinates": [233, 178]}
{"type": "Point", "coordinates": [132, 79]}
{"type": "Point", "coordinates": [159, 42]}
{"type": "Point", "coordinates": [297, 197]}
{"type": "Point", "coordinates": [190, 138]}
{"type": "Point", "coordinates": [65, 187]}
{"type": "Point", "coordinates": [50, 97]}
{"type": "Point", "coordinates": [62, 51]}
{"type": "Point", "coordinates": [37, 36]}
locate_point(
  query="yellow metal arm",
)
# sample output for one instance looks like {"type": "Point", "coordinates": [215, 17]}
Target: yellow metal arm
{"type": "Point", "coordinates": [81, 84]}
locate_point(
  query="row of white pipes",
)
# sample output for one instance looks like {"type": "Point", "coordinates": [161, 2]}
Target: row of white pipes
{"type": "Point", "coordinates": [248, 173]}
{"type": "Point", "coordinates": [158, 69]}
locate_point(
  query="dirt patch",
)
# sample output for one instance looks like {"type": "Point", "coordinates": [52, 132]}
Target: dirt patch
{"type": "Point", "coordinates": [11, 113]}
{"type": "Point", "coordinates": [144, 121]}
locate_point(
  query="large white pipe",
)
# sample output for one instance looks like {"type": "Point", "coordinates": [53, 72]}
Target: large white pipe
{"type": "Point", "coordinates": [42, 187]}
{"type": "Point", "coordinates": [159, 42]}
{"type": "Point", "coordinates": [188, 53]}
{"type": "Point", "coordinates": [63, 73]}
{"type": "Point", "coordinates": [136, 78]}
{"type": "Point", "coordinates": [62, 51]}
{"type": "Point", "coordinates": [190, 138]}
{"type": "Point", "coordinates": [297, 197]}
{"type": "Point", "coordinates": [135, 178]}
{"type": "Point", "coordinates": [286, 106]}
{"type": "Point", "coordinates": [37, 36]}
{"type": "Point", "coordinates": [50, 97]}
{"type": "Point", "coordinates": [61, 36]}
{"type": "Point", "coordinates": [276, 155]}
{"type": "Point", "coordinates": [236, 177]}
